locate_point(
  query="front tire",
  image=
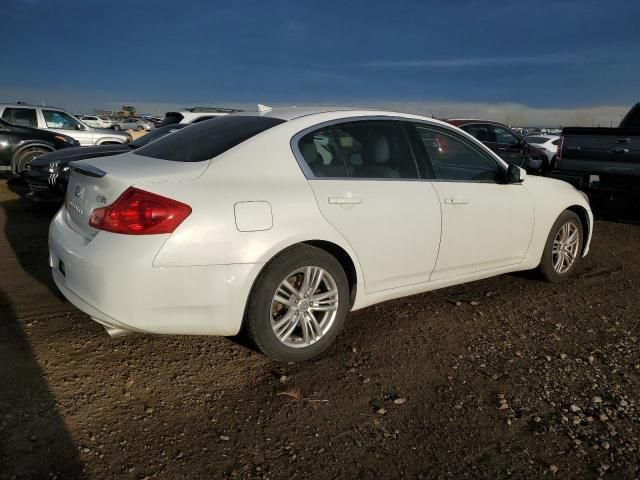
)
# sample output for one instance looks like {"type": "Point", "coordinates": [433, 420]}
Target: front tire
{"type": "Point", "coordinates": [563, 249]}
{"type": "Point", "coordinates": [298, 304]}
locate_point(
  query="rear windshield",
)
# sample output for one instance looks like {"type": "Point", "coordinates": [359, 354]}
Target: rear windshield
{"type": "Point", "coordinates": [207, 139]}
{"type": "Point", "coordinates": [155, 134]}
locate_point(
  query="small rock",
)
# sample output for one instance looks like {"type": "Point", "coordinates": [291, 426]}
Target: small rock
{"type": "Point", "coordinates": [474, 303]}
{"type": "Point", "coordinates": [563, 356]}
{"type": "Point", "coordinates": [400, 401]}
{"type": "Point", "coordinates": [596, 399]}
{"type": "Point", "coordinates": [591, 359]}
{"type": "Point", "coordinates": [574, 408]}
{"type": "Point", "coordinates": [148, 410]}
{"type": "Point", "coordinates": [224, 438]}
{"type": "Point", "coordinates": [603, 417]}
{"type": "Point", "coordinates": [553, 469]}
{"type": "Point", "coordinates": [548, 358]}
{"type": "Point", "coordinates": [381, 411]}
{"type": "Point", "coordinates": [623, 403]}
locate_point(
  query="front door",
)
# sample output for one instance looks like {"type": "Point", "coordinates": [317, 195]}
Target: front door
{"type": "Point", "coordinates": [486, 223]}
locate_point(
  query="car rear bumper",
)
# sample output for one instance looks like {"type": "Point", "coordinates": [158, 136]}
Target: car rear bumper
{"type": "Point", "coordinates": [111, 278]}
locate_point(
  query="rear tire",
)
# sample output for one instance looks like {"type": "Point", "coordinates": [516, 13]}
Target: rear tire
{"type": "Point", "coordinates": [23, 157]}
{"type": "Point", "coordinates": [298, 304]}
{"type": "Point", "coordinates": [563, 249]}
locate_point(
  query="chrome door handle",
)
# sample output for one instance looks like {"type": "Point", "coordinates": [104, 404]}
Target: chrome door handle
{"type": "Point", "coordinates": [345, 200]}
{"type": "Point", "coordinates": [456, 201]}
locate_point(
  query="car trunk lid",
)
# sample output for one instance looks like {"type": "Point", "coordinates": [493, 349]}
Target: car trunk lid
{"type": "Point", "coordinates": [99, 182]}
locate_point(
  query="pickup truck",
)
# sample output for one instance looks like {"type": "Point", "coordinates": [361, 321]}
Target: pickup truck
{"type": "Point", "coordinates": [604, 159]}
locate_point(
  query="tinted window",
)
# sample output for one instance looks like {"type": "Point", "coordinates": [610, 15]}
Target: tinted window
{"type": "Point", "coordinates": [209, 139]}
{"type": "Point", "coordinates": [25, 117]}
{"type": "Point", "coordinates": [320, 151]}
{"type": "Point", "coordinates": [454, 159]}
{"type": "Point", "coordinates": [482, 132]}
{"type": "Point", "coordinates": [55, 119]}
{"type": "Point", "coordinates": [376, 149]}
{"type": "Point", "coordinates": [505, 136]}
{"type": "Point", "coordinates": [155, 134]}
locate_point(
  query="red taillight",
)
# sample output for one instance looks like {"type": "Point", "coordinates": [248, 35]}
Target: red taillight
{"type": "Point", "coordinates": [137, 212]}
{"type": "Point", "coordinates": [559, 149]}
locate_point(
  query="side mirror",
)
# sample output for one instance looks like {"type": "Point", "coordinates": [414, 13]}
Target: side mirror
{"type": "Point", "coordinates": [516, 174]}
{"type": "Point", "coordinates": [79, 126]}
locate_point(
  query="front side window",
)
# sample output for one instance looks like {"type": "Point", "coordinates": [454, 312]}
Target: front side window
{"type": "Point", "coordinates": [505, 137]}
{"type": "Point", "coordinates": [456, 160]}
{"type": "Point", "coordinates": [23, 117]}
{"type": "Point", "coordinates": [206, 140]}
{"type": "Point", "coordinates": [56, 119]}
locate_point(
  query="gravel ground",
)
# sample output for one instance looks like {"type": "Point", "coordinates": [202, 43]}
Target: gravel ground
{"type": "Point", "coordinates": [504, 378]}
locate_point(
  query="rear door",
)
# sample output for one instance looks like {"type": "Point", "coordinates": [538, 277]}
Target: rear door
{"type": "Point", "coordinates": [486, 224]}
{"type": "Point", "coordinates": [366, 182]}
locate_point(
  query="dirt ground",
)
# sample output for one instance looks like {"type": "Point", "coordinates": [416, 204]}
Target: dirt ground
{"type": "Point", "coordinates": [504, 378]}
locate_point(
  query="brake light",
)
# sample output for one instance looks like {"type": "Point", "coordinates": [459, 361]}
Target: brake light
{"type": "Point", "coordinates": [137, 212]}
{"type": "Point", "coordinates": [559, 149]}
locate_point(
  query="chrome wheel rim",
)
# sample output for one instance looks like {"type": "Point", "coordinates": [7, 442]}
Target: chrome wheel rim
{"type": "Point", "coordinates": [565, 247]}
{"type": "Point", "coordinates": [304, 306]}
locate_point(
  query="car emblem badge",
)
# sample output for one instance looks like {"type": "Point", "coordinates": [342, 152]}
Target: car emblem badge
{"type": "Point", "coordinates": [79, 191]}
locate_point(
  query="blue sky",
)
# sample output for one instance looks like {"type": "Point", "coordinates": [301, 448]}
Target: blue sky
{"type": "Point", "coordinates": [540, 54]}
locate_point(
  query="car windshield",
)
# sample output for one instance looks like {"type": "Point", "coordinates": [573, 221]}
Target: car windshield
{"type": "Point", "coordinates": [207, 139]}
{"type": "Point", "coordinates": [155, 134]}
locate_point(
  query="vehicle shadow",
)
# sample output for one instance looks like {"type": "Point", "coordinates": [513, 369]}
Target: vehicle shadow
{"type": "Point", "coordinates": [34, 441]}
{"type": "Point", "coordinates": [26, 229]}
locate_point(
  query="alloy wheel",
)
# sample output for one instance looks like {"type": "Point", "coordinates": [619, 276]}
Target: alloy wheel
{"type": "Point", "coordinates": [565, 247]}
{"type": "Point", "coordinates": [304, 306]}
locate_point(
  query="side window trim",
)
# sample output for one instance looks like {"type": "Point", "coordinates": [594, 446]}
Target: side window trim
{"type": "Point", "coordinates": [331, 124]}
{"type": "Point", "coordinates": [465, 141]}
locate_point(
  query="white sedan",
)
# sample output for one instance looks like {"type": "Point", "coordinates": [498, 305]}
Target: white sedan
{"type": "Point", "coordinates": [279, 223]}
{"type": "Point", "coordinates": [96, 122]}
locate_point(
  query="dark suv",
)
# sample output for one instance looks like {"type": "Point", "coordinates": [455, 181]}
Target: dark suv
{"type": "Point", "coordinates": [19, 145]}
{"type": "Point", "coordinates": [506, 143]}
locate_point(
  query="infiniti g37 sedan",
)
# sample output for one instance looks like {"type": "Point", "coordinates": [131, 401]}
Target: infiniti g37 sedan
{"type": "Point", "coordinates": [277, 224]}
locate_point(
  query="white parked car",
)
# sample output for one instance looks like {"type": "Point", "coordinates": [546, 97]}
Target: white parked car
{"type": "Point", "coordinates": [132, 124]}
{"type": "Point", "coordinates": [547, 143]}
{"type": "Point", "coordinates": [196, 114]}
{"type": "Point", "coordinates": [280, 223]}
{"type": "Point", "coordinates": [95, 121]}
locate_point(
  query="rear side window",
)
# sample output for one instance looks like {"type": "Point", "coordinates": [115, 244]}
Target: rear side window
{"type": "Point", "coordinates": [537, 140]}
{"type": "Point", "coordinates": [363, 149]}
{"type": "Point", "coordinates": [481, 132]}
{"type": "Point", "coordinates": [320, 152]}
{"type": "Point", "coordinates": [24, 117]}
{"type": "Point", "coordinates": [207, 140]}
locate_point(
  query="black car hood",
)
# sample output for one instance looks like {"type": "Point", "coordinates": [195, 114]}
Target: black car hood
{"type": "Point", "coordinates": [67, 155]}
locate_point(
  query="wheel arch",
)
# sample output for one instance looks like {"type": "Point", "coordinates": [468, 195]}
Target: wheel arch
{"type": "Point", "coordinates": [25, 146]}
{"type": "Point", "coordinates": [586, 227]}
{"type": "Point", "coordinates": [335, 250]}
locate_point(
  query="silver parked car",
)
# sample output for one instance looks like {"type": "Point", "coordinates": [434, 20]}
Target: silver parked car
{"type": "Point", "coordinates": [133, 124]}
{"type": "Point", "coordinates": [59, 120]}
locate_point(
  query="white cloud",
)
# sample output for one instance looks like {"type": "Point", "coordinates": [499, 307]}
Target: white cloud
{"type": "Point", "coordinates": [545, 59]}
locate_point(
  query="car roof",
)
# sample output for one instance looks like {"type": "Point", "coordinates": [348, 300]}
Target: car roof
{"type": "Point", "coordinates": [29, 105]}
{"type": "Point", "coordinates": [467, 121]}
